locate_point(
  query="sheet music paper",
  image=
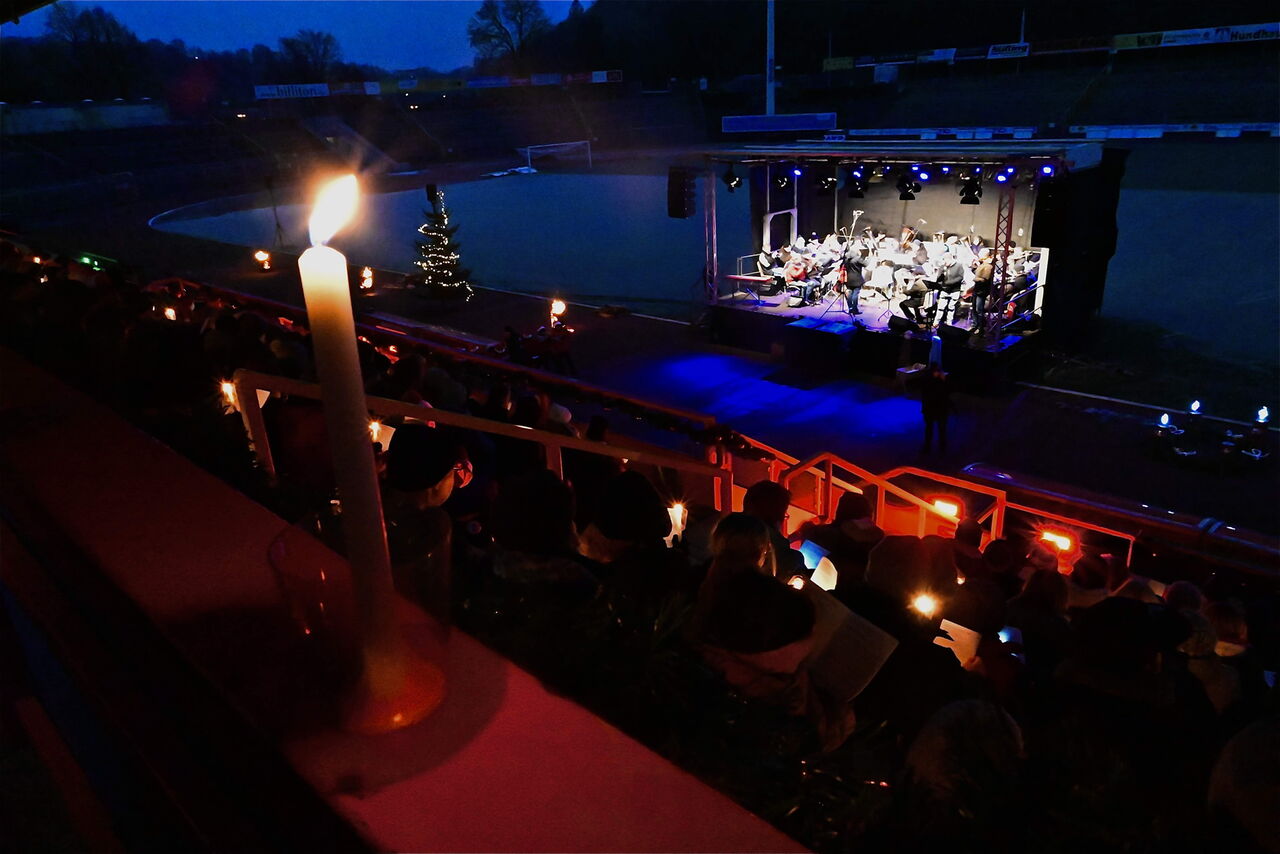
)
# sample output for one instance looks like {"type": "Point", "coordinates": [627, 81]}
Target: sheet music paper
{"type": "Point", "coordinates": [848, 650]}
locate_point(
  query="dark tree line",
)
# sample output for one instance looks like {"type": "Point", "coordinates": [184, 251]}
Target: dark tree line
{"type": "Point", "coordinates": [88, 53]}
{"type": "Point", "coordinates": [653, 41]}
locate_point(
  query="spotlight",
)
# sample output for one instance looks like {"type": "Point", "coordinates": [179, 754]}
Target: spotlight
{"type": "Point", "coordinates": [970, 193]}
{"type": "Point", "coordinates": [924, 176]}
{"type": "Point", "coordinates": [1047, 170]}
{"type": "Point", "coordinates": [782, 180]}
{"type": "Point", "coordinates": [945, 170]}
{"type": "Point", "coordinates": [1002, 178]}
{"type": "Point", "coordinates": [915, 167]}
{"type": "Point", "coordinates": [1010, 169]}
{"type": "Point", "coordinates": [907, 188]}
{"type": "Point", "coordinates": [731, 181]}
{"type": "Point", "coordinates": [826, 184]}
{"type": "Point", "coordinates": [947, 507]}
{"type": "Point", "coordinates": [796, 171]}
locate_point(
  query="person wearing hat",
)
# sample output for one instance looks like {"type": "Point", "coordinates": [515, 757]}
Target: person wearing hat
{"type": "Point", "coordinates": [424, 466]}
{"type": "Point", "coordinates": [625, 537]}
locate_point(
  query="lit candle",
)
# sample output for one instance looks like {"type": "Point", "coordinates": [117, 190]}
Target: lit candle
{"type": "Point", "coordinates": [396, 690]}
{"type": "Point", "coordinates": [925, 604]}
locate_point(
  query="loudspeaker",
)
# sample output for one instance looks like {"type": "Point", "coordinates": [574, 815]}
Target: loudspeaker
{"type": "Point", "coordinates": [901, 324]}
{"type": "Point", "coordinates": [682, 187]}
{"type": "Point", "coordinates": [953, 334]}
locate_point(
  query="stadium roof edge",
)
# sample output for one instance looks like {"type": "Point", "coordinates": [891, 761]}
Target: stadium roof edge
{"type": "Point", "coordinates": [1077, 154]}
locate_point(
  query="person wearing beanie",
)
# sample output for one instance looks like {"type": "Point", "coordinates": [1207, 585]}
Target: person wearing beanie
{"type": "Point", "coordinates": [625, 537]}
{"type": "Point", "coordinates": [424, 466]}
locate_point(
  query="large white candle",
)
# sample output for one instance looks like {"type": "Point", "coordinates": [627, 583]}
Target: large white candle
{"type": "Point", "coordinates": [346, 414]}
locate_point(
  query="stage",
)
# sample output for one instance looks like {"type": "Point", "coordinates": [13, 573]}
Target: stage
{"type": "Point", "coordinates": [823, 341]}
{"type": "Point", "coordinates": [921, 225]}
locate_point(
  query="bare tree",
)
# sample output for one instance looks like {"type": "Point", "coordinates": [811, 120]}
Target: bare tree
{"type": "Point", "coordinates": [104, 51]}
{"type": "Point", "coordinates": [501, 29]}
{"type": "Point", "coordinates": [310, 55]}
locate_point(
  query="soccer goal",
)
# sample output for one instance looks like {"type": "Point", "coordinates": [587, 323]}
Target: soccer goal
{"type": "Point", "coordinates": [556, 149]}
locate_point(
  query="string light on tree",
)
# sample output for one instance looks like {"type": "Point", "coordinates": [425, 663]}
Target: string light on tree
{"type": "Point", "coordinates": [442, 274]}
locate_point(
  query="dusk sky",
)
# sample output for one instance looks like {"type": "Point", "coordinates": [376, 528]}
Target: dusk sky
{"type": "Point", "coordinates": [390, 33]}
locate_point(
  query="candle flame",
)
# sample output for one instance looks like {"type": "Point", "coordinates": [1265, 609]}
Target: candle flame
{"type": "Point", "coordinates": [1263, 415]}
{"type": "Point", "coordinates": [1164, 420]}
{"type": "Point", "coordinates": [925, 604]}
{"type": "Point", "coordinates": [35, 260]}
{"type": "Point", "coordinates": [558, 307]}
{"type": "Point", "coordinates": [170, 314]}
{"type": "Point", "coordinates": [262, 255]}
{"type": "Point", "coordinates": [1061, 541]}
{"type": "Point", "coordinates": [375, 429]}
{"type": "Point", "coordinates": [228, 391]}
{"type": "Point", "coordinates": [796, 581]}
{"type": "Point", "coordinates": [334, 207]}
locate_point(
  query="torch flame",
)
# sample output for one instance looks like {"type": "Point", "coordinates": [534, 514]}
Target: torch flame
{"type": "Point", "coordinates": [334, 207]}
{"type": "Point", "coordinates": [558, 307]}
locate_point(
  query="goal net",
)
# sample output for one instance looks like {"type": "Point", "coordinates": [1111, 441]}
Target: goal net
{"type": "Point", "coordinates": [579, 148]}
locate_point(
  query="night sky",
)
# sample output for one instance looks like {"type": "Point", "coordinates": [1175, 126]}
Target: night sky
{"type": "Point", "coordinates": [393, 34]}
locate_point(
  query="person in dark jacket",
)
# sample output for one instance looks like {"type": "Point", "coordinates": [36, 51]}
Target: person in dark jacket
{"type": "Point", "coordinates": [935, 405]}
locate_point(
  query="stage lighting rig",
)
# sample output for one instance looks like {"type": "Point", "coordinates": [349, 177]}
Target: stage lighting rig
{"type": "Point", "coordinates": [1047, 170]}
{"type": "Point", "coordinates": [970, 190]}
{"type": "Point", "coordinates": [907, 188]}
{"type": "Point", "coordinates": [855, 182]}
{"type": "Point", "coordinates": [826, 184]}
{"type": "Point", "coordinates": [731, 181]}
{"type": "Point", "coordinates": [782, 180]}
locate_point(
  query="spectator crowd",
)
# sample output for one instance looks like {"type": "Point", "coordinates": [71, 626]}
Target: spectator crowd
{"type": "Point", "coordinates": [946, 693]}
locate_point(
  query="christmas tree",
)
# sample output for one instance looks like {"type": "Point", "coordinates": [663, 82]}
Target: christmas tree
{"type": "Point", "coordinates": [442, 275]}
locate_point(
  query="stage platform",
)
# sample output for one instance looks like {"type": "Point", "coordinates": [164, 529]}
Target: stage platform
{"type": "Point", "coordinates": [824, 341]}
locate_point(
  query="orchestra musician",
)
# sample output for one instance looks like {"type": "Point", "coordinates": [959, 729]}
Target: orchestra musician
{"type": "Point", "coordinates": [983, 272]}
{"type": "Point", "coordinates": [949, 282]}
{"type": "Point", "coordinates": [912, 306]}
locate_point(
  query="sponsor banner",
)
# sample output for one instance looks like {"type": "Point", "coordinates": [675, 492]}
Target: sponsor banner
{"type": "Point", "coordinates": [518, 81]}
{"type": "Point", "coordinates": [614, 76]}
{"type": "Point", "coordinates": [971, 53]}
{"type": "Point", "coordinates": [834, 137]}
{"type": "Point", "coordinates": [786, 122]}
{"type": "Point", "coordinates": [885, 74]}
{"type": "Point", "coordinates": [488, 82]}
{"type": "Point", "coordinates": [291, 90]}
{"type": "Point", "coordinates": [1136, 41]}
{"type": "Point", "coordinates": [1008, 51]}
{"type": "Point", "coordinates": [946, 54]}
{"type": "Point", "coordinates": [837, 63]}
{"type": "Point", "coordinates": [372, 88]}
{"type": "Point", "coordinates": [1084, 45]}
{"type": "Point", "coordinates": [346, 88]}
{"type": "Point", "coordinates": [546, 79]}
{"type": "Point", "coordinates": [407, 84]}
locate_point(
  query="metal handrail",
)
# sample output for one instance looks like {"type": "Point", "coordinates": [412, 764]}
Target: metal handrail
{"type": "Point", "coordinates": [248, 383]}
{"type": "Point", "coordinates": [997, 509]}
{"type": "Point", "coordinates": [829, 460]}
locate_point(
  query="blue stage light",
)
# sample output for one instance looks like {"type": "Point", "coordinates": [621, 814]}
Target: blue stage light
{"type": "Point", "coordinates": [915, 167]}
{"type": "Point", "coordinates": [945, 170]}
{"type": "Point", "coordinates": [857, 173]}
{"type": "Point", "coordinates": [1002, 178]}
{"type": "Point", "coordinates": [1011, 169]}
{"type": "Point", "coordinates": [1047, 170]}
{"type": "Point", "coordinates": [796, 171]}
{"type": "Point", "coordinates": [924, 176]}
